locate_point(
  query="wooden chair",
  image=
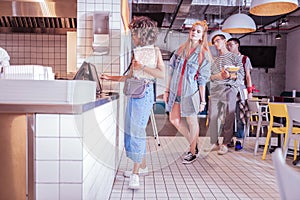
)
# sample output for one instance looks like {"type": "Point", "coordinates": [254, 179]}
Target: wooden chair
{"type": "Point", "coordinates": [278, 110]}
{"type": "Point", "coordinates": [287, 178]}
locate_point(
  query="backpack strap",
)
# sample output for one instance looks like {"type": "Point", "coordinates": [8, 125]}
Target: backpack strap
{"type": "Point", "coordinates": [128, 68]}
{"type": "Point", "coordinates": [244, 66]}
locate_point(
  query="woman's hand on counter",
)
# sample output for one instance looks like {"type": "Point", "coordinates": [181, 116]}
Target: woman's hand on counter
{"type": "Point", "coordinates": [104, 76]}
{"type": "Point", "coordinates": [112, 78]}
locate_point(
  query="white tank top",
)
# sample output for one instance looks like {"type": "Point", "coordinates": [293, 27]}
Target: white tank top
{"type": "Point", "coordinates": [146, 55]}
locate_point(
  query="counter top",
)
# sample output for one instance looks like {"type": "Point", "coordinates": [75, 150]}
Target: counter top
{"type": "Point", "coordinates": [57, 108]}
{"type": "Point", "coordinates": [47, 91]}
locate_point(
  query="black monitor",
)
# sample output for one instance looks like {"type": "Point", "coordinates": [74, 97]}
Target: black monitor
{"type": "Point", "coordinates": [260, 56]}
{"type": "Point", "coordinates": [88, 71]}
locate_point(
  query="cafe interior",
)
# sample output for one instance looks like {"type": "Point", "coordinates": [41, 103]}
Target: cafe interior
{"type": "Point", "coordinates": [63, 135]}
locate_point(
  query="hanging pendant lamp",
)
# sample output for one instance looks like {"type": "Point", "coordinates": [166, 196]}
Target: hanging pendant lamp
{"type": "Point", "coordinates": [239, 23]}
{"type": "Point", "coordinates": [272, 7]}
{"type": "Point", "coordinates": [278, 36]}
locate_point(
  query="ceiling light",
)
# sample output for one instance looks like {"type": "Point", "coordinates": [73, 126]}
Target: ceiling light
{"type": "Point", "coordinates": [278, 37]}
{"type": "Point", "coordinates": [239, 23]}
{"type": "Point", "coordinates": [272, 7]}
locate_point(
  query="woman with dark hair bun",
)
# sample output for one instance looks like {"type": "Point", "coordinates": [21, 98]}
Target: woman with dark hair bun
{"type": "Point", "coordinates": [147, 63]}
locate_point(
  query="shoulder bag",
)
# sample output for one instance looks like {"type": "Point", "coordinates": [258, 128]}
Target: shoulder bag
{"type": "Point", "coordinates": [135, 88]}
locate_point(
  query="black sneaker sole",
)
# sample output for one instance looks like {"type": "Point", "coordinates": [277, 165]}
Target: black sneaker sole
{"type": "Point", "coordinates": [189, 161]}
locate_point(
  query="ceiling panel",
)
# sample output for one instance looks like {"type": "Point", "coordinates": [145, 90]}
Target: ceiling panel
{"type": "Point", "coordinates": [214, 11]}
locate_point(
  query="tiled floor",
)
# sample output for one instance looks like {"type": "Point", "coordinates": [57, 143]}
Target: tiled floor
{"type": "Point", "coordinates": [236, 175]}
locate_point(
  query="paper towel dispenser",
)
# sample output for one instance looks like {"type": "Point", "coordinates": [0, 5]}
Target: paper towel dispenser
{"type": "Point", "coordinates": [101, 33]}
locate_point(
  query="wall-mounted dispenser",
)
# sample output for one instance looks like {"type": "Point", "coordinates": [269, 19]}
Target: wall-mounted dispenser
{"type": "Point", "coordinates": [101, 33]}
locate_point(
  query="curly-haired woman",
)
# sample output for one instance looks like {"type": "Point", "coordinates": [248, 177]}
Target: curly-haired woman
{"type": "Point", "coordinates": [148, 64]}
{"type": "Point", "coordinates": [185, 91]}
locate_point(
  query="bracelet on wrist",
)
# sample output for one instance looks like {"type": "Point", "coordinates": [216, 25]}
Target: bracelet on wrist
{"type": "Point", "coordinates": [229, 76]}
{"type": "Point", "coordinates": [249, 89]}
{"type": "Point", "coordinates": [203, 103]}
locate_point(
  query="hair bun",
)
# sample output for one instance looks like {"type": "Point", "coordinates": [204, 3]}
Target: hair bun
{"type": "Point", "coordinates": [201, 23]}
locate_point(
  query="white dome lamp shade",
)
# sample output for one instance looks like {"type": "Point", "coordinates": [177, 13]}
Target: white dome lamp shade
{"type": "Point", "coordinates": [272, 7]}
{"type": "Point", "coordinates": [217, 32]}
{"type": "Point", "coordinates": [239, 24]}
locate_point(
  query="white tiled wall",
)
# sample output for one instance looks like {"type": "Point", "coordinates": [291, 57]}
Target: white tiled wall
{"type": "Point", "coordinates": [101, 151]}
{"type": "Point", "coordinates": [47, 126]}
{"type": "Point", "coordinates": [99, 160]}
{"type": "Point", "coordinates": [47, 191]}
{"type": "Point", "coordinates": [58, 156]}
{"type": "Point", "coordinates": [47, 171]}
{"type": "Point", "coordinates": [108, 63]}
{"type": "Point", "coordinates": [76, 156]}
{"type": "Point", "coordinates": [37, 49]}
{"type": "Point", "coordinates": [71, 148]}
{"type": "Point", "coordinates": [47, 148]}
{"type": "Point", "coordinates": [72, 126]}
{"type": "Point", "coordinates": [70, 171]}
{"type": "Point", "coordinates": [70, 191]}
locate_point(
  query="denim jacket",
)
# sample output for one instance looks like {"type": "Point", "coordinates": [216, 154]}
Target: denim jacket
{"type": "Point", "coordinates": [189, 84]}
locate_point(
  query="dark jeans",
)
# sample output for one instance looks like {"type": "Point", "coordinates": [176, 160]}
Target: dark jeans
{"type": "Point", "coordinates": [240, 126]}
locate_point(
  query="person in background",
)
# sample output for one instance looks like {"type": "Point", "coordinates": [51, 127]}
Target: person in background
{"type": "Point", "coordinates": [233, 45]}
{"type": "Point", "coordinates": [4, 59]}
{"type": "Point", "coordinates": [185, 92]}
{"type": "Point", "coordinates": [224, 87]}
{"type": "Point", "coordinates": [144, 34]}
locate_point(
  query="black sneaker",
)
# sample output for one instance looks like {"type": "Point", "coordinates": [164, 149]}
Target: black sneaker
{"type": "Point", "coordinates": [189, 158]}
{"type": "Point", "coordinates": [188, 154]}
{"type": "Point", "coordinates": [231, 144]}
{"type": "Point", "coordinates": [197, 150]}
{"type": "Point", "coordinates": [238, 146]}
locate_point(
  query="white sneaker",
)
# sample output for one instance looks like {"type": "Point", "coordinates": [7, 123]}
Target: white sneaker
{"type": "Point", "coordinates": [134, 182]}
{"type": "Point", "coordinates": [142, 172]}
{"type": "Point", "coordinates": [223, 150]}
{"type": "Point", "coordinates": [213, 147]}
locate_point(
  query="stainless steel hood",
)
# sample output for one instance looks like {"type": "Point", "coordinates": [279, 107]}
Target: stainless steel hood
{"type": "Point", "coordinates": [35, 16]}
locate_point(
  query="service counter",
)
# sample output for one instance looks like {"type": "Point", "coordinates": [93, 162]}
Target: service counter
{"type": "Point", "coordinates": [61, 150]}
